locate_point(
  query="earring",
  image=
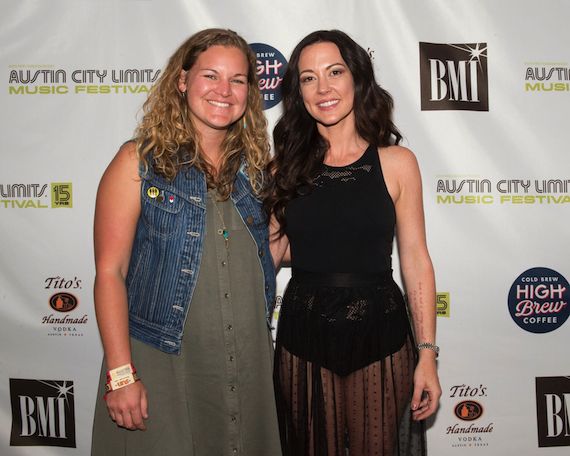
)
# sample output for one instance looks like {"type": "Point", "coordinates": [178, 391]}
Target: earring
{"type": "Point", "coordinates": [244, 123]}
{"type": "Point", "coordinates": [183, 94]}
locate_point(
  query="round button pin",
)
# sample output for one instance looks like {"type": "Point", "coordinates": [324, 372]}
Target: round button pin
{"type": "Point", "coordinates": [153, 192]}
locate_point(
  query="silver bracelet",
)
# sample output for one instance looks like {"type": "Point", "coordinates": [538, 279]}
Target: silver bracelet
{"type": "Point", "coordinates": [429, 346]}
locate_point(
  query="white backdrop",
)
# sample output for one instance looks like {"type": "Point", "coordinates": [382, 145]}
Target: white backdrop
{"type": "Point", "coordinates": [496, 180]}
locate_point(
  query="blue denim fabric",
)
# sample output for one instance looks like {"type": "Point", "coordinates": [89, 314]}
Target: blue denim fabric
{"type": "Point", "coordinates": [167, 252]}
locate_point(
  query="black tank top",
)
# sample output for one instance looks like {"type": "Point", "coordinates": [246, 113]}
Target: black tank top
{"type": "Point", "coordinates": [345, 221]}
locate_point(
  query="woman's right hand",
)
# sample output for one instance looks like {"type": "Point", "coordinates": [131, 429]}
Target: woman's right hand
{"type": "Point", "coordinates": [128, 406]}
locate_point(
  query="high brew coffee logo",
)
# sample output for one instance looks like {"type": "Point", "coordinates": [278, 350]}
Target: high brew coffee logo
{"type": "Point", "coordinates": [43, 413]}
{"type": "Point", "coordinates": [538, 300]}
{"type": "Point", "coordinates": [271, 66]}
{"type": "Point", "coordinates": [454, 77]}
{"type": "Point", "coordinates": [553, 411]}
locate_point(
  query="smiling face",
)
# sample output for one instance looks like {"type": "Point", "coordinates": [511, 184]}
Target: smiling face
{"type": "Point", "coordinates": [327, 86]}
{"type": "Point", "coordinates": [216, 88]}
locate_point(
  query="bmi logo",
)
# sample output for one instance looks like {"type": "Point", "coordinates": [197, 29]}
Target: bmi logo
{"type": "Point", "coordinates": [43, 413]}
{"type": "Point", "coordinates": [454, 77]}
{"type": "Point", "coordinates": [553, 411]}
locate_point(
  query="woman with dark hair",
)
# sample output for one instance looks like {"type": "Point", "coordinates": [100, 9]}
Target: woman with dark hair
{"type": "Point", "coordinates": [352, 377]}
{"type": "Point", "coordinates": [184, 280]}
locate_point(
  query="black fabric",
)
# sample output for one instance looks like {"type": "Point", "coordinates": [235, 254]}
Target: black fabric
{"type": "Point", "coordinates": [345, 222]}
{"type": "Point", "coordinates": [342, 322]}
{"type": "Point", "coordinates": [345, 353]}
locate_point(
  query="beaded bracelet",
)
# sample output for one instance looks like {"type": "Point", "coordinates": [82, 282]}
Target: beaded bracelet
{"type": "Point", "coordinates": [429, 346]}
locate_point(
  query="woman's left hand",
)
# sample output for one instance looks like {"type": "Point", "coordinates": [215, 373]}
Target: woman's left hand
{"type": "Point", "coordinates": [427, 390]}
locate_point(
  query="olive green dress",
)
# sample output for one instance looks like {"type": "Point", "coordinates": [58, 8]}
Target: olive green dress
{"type": "Point", "coordinates": [216, 397]}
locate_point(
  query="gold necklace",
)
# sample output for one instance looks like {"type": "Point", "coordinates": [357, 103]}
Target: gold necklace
{"type": "Point", "coordinates": [224, 231]}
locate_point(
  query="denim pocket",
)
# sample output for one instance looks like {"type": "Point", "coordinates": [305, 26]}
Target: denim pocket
{"type": "Point", "coordinates": [161, 209]}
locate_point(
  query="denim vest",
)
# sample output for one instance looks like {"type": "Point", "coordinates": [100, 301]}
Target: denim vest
{"type": "Point", "coordinates": [167, 252]}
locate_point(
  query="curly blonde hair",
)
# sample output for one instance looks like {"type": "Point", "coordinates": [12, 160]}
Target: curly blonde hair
{"type": "Point", "coordinates": [167, 140]}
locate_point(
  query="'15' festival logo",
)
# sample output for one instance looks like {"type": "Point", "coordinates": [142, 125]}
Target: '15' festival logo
{"type": "Point", "coordinates": [454, 77]}
{"type": "Point", "coordinates": [43, 413]}
{"type": "Point", "coordinates": [538, 300]}
{"type": "Point", "coordinates": [468, 409]}
{"type": "Point", "coordinates": [36, 196]}
{"type": "Point", "coordinates": [271, 66]}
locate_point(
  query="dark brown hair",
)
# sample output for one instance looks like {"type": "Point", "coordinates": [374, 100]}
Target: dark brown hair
{"type": "Point", "coordinates": [299, 148]}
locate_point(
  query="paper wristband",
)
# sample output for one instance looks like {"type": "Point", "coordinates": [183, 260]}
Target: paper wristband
{"type": "Point", "coordinates": [120, 377]}
{"type": "Point", "coordinates": [121, 382]}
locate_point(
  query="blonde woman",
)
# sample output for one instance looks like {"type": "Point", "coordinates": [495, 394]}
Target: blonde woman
{"type": "Point", "coordinates": [184, 277]}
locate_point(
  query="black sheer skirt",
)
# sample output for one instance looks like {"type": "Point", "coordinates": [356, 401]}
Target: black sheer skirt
{"type": "Point", "coordinates": [344, 365]}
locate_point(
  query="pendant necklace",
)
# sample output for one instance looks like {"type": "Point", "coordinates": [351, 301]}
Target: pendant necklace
{"type": "Point", "coordinates": [224, 231]}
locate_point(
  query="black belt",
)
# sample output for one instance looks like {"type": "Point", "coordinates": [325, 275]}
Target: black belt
{"type": "Point", "coordinates": [341, 279]}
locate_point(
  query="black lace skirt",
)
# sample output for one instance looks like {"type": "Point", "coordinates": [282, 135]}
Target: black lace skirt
{"type": "Point", "coordinates": [344, 364]}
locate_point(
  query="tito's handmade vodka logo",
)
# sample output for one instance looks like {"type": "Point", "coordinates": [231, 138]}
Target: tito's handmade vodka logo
{"type": "Point", "coordinates": [454, 77]}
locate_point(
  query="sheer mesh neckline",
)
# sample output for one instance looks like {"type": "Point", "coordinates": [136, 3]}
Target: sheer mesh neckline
{"type": "Point", "coordinates": [354, 163]}
{"type": "Point", "coordinates": [351, 172]}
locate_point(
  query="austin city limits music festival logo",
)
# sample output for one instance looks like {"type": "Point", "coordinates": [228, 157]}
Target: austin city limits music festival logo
{"type": "Point", "coordinates": [31, 79]}
{"type": "Point", "coordinates": [546, 77]}
{"type": "Point", "coordinates": [43, 413]}
{"type": "Point", "coordinates": [553, 411]}
{"type": "Point", "coordinates": [479, 190]}
{"type": "Point", "coordinates": [538, 300]}
{"type": "Point", "coordinates": [271, 66]}
{"type": "Point", "coordinates": [36, 196]}
{"type": "Point", "coordinates": [454, 77]}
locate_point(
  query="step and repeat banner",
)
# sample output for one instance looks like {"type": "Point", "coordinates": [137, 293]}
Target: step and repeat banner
{"type": "Point", "coordinates": [482, 92]}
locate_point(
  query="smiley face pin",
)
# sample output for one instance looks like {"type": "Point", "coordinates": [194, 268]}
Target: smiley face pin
{"type": "Point", "coordinates": [153, 192]}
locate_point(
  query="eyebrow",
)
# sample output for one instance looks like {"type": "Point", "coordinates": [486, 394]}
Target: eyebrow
{"type": "Point", "coordinates": [217, 72]}
{"type": "Point", "coordinates": [327, 68]}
